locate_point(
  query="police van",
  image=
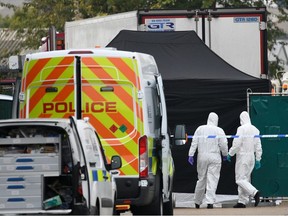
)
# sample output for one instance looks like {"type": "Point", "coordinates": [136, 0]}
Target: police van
{"type": "Point", "coordinates": [54, 166]}
{"type": "Point", "coordinates": [122, 94]}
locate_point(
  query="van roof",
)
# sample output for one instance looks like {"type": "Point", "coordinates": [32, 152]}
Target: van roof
{"type": "Point", "coordinates": [36, 120]}
{"type": "Point", "coordinates": [85, 52]}
{"type": "Point", "coordinates": [6, 97]}
{"type": "Point", "coordinates": [148, 63]}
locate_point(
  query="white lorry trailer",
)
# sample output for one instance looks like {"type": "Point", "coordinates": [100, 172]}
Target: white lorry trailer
{"type": "Point", "coordinates": [236, 35]}
{"type": "Point", "coordinates": [54, 166]}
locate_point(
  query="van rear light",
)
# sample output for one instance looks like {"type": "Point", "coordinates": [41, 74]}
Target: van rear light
{"type": "Point", "coordinates": [80, 190]}
{"type": "Point", "coordinates": [143, 157]}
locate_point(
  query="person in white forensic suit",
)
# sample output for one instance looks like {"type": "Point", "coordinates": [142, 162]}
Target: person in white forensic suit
{"type": "Point", "coordinates": [248, 152]}
{"type": "Point", "coordinates": [210, 141]}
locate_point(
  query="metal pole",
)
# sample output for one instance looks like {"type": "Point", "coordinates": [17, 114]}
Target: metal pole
{"type": "Point", "coordinates": [52, 38]}
{"type": "Point", "coordinates": [209, 26]}
{"type": "Point", "coordinates": [78, 88]}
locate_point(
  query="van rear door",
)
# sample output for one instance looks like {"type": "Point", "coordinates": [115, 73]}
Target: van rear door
{"type": "Point", "coordinates": [111, 98]}
{"type": "Point", "coordinates": [47, 88]}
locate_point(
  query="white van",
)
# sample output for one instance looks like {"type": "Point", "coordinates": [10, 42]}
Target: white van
{"type": "Point", "coordinates": [54, 166]}
{"type": "Point", "coordinates": [123, 95]}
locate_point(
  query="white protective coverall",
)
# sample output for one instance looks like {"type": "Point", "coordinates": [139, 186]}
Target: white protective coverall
{"type": "Point", "coordinates": [209, 158]}
{"type": "Point", "coordinates": [246, 148]}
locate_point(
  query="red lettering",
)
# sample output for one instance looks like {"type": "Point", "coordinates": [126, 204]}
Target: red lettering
{"type": "Point", "coordinates": [94, 106]}
{"type": "Point", "coordinates": [47, 107]}
{"type": "Point", "coordinates": [61, 107]}
{"type": "Point", "coordinates": [71, 109]}
{"type": "Point", "coordinates": [87, 107]}
{"type": "Point", "coordinates": [111, 107]}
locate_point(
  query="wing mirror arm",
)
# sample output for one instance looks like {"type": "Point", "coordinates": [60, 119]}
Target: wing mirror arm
{"type": "Point", "coordinates": [180, 135]}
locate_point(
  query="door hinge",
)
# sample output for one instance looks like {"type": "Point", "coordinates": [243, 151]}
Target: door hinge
{"type": "Point", "coordinates": [262, 26]}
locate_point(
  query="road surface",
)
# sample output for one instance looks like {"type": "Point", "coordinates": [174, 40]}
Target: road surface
{"type": "Point", "coordinates": [262, 209]}
{"type": "Point", "coordinates": [281, 209]}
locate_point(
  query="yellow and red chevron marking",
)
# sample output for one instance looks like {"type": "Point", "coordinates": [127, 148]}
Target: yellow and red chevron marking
{"type": "Point", "coordinates": [34, 75]}
{"type": "Point", "coordinates": [126, 70]}
{"type": "Point", "coordinates": [100, 68]}
{"type": "Point", "coordinates": [96, 72]}
{"type": "Point", "coordinates": [93, 95]}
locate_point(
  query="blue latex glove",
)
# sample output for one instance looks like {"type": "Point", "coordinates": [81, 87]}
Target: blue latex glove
{"type": "Point", "coordinates": [191, 160]}
{"type": "Point", "coordinates": [257, 165]}
{"type": "Point", "coordinates": [224, 158]}
{"type": "Point", "coordinates": [228, 158]}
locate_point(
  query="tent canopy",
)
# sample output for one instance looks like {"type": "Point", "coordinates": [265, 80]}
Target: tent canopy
{"type": "Point", "coordinates": [196, 82]}
{"type": "Point", "coordinates": [179, 55]}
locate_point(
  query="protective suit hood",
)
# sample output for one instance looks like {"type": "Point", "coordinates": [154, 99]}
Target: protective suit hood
{"type": "Point", "coordinates": [245, 118]}
{"type": "Point", "coordinates": [212, 119]}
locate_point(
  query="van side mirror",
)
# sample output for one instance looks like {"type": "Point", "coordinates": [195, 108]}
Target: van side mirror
{"type": "Point", "coordinates": [180, 136]}
{"type": "Point", "coordinates": [116, 162]}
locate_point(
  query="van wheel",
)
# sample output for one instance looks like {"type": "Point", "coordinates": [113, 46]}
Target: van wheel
{"type": "Point", "coordinates": [97, 211]}
{"type": "Point", "coordinates": [169, 206]}
{"type": "Point", "coordinates": [97, 208]}
{"type": "Point", "coordinates": [115, 212]}
{"type": "Point", "coordinates": [156, 206]}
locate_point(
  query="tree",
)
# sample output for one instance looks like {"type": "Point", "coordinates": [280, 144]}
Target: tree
{"type": "Point", "coordinates": [33, 20]}
{"type": "Point", "coordinates": [5, 21]}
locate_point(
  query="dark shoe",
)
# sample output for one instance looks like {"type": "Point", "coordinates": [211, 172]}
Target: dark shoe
{"type": "Point", "coordinates": [239, 205]}
{"type": "Point", "coordinates": [197, 206]}
{"type": "Point", "coordinates": [210, 206]}
{"type": "Point", "coordinates": [257, 198]}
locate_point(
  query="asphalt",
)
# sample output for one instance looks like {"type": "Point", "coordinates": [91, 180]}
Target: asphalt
{"type": "Point", "coordinates": [264, 208]}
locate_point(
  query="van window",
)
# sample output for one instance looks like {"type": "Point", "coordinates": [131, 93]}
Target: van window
{"type": "Point", "coordinates": [153, 109]}
{"type": "Point", "coordinates": [92, 147]}
{"type": "Point", "coordinates": [5, 109]}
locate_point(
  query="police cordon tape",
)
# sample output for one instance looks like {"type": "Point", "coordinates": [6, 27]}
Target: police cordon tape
{"type": "Point", "coordinates": [237, 136]}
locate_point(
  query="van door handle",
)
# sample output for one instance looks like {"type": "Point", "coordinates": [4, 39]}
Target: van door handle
{"type": "Point", "coordinates": [92, 164]}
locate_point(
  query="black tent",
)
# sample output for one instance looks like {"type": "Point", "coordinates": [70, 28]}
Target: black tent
{"type": "Point", "coordinates": [196, 82]}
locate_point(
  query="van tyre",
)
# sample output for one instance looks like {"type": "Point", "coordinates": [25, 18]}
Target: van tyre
{"type": "Point", "coordinates": [97, 209]}
{"type": "Point", "coordinates": [156, 206]}
{"type": "Point", "coordinates": [169, 206]}
{"type": "Point", "coordinates": [115, 212]}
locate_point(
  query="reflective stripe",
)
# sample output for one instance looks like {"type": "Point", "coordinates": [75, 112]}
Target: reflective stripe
{"type": "Point", "coordinates": [98, 175]}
